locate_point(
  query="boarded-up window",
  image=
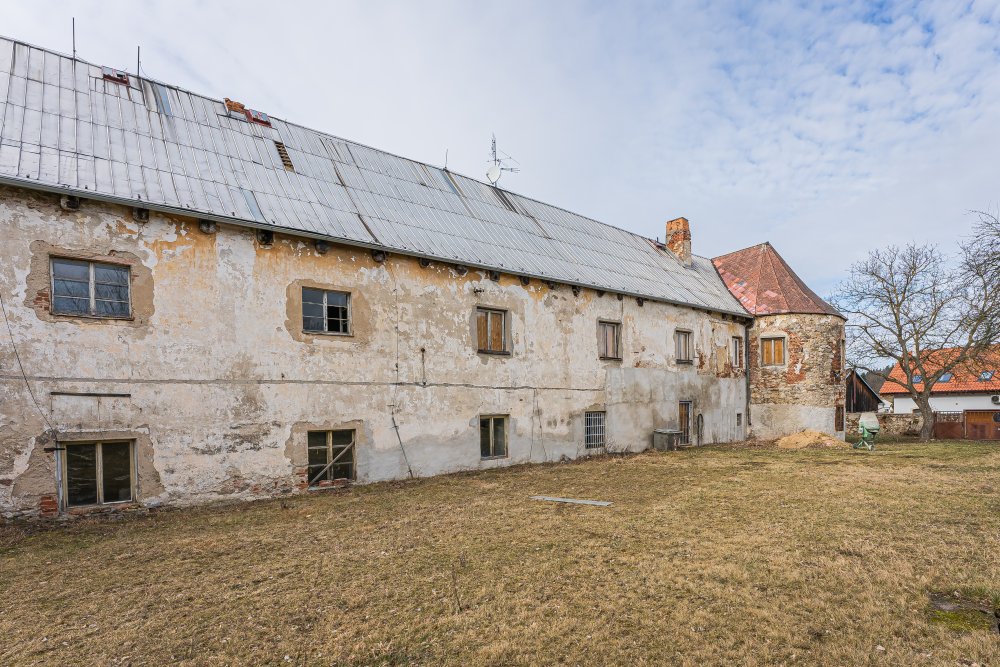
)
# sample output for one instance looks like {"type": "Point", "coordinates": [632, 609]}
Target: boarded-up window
{"type": "Point", "coordinates": [325, 311]}
{"type": "Point", "coordinates": [772, 351]}
{"type": "Point", "coordinates": [97, 473]}
{"type": "Point", "coordinates": [609, 340]}
{"type": "Point", "coordinates": [493, 436]}
{"type": "Point", "coordinates": [682, 346]}
{"type": "Point", "coordinates": [491, 330]}
{"type": "Point", "coordinates": [331, 456]}
{"type": "Point", "coordinates": [90, 288]}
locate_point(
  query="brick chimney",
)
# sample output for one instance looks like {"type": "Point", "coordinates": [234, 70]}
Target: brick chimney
{"type": "Point", "coordinates": [679, 239]}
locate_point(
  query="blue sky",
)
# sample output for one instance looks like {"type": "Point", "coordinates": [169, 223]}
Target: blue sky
{"type": "Point", "coordinates": [825, 128]}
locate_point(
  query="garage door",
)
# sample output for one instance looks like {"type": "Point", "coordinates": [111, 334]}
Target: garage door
{"type": "Point", "coordinates": [982, 424]}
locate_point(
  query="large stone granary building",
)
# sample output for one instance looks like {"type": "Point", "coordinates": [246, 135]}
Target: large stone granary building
{"type": "Point", "coordinates": [201, 301]}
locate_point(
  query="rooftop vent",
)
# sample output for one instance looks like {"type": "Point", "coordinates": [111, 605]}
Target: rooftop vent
{"type": "Point", "coordinates": [116, 75]}
{"type": "Point", "coordinates": [283, 154]}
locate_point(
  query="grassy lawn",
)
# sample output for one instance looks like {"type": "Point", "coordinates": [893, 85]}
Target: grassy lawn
{"type": "Point", "coordinates": [712, 556]}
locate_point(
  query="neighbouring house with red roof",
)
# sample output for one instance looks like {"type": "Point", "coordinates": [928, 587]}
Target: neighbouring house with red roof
{"type": "Point", "coordinates": [974, 386]}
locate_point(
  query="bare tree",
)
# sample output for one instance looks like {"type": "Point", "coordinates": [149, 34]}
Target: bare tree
{"type": "Point", "coordinates": [930, 315]}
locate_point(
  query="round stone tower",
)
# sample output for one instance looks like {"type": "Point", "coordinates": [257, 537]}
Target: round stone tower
{"type": "Point", "coordinates": [795, 346]}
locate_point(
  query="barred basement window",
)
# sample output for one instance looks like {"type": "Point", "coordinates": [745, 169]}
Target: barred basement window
{"type": "Point", "coordinates": [682, 346]}
{"type": "Point", "coordinates": [491, 330]}
{"type": "Point", "coordinates": [90, 288]}
{"type": "Point", "coordinates": [97, 473]}
{"type": "Point", "coordinates": [684, 421]}
{"type": "Point", "coordinates": [593, 430]}
{"type": "Point", "coordinates": [493, 436]}
{"type": "Point", "coordinates": [772, 351]}
{"type": "Point", "coordinates": [739, 419]}
{"type": "Point", "coordinates": [331, 456]}
{"type": "Point", "coordinates": [609, 340]}
{"type": "Point", "coordinates": [326, 311]}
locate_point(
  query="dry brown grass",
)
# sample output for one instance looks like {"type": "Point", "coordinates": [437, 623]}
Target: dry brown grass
{"type": "Point", "coordinates": [712, 556]}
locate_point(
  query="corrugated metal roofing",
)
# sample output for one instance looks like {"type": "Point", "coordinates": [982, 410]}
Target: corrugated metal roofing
{"type": "Point", "coordinates": [64, 127]}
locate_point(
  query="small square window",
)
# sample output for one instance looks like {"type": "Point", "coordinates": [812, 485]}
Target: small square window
{"type": "Point", "coordinates": [682, 346]}
{"type": "Point", "coordinates": [491, 330]}
{"type": "Point", "coordinates": [772, 351]}
{"type": "Point", "coordinates": [331, 456]}
{"type": "Point", "coordinates": [326, 311]}
{"type": "Point", "coordinates": [737, 351]}
{"type": "Point", "coordinates": [593, 430]}
{"type": "Point", "coordinates": [985, 376]}
{"type": "Point", "coordinates": [97, 473]}
{"type": "Point", "coordinates": [91, 289]}
{"type": "Point", "coordinates": [918, 378]}
{"type": "Point", "coordinates": [609, 340]}
{"type": "Point", "coordinates": [493, 436]}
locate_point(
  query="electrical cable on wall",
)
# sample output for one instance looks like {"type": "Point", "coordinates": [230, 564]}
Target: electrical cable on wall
{"type": "Point", "coordinates": [395, 385]}
{"type": "Point", "coordinates": [24, 376]}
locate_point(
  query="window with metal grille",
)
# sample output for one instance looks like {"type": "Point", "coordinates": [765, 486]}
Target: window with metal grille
{"type": "Point", "coordinates": [331, 456]}
{"type": "Point", "coordinates": [737, 352]}
{"type": "Point", "coordinates": [684, 421]}
{"type": "Point", "coordinates": [593, 430]}
{"type": "Point", "coordinates": [283, 154]}
{"type": "Point", "coordinates": [772, 351]}
{"type": "Point", "coordinates": [493, 436]}
{"type": "Point", "coordinates": [326, 311]}
{"type": "Point", "coordinates": [682, 346]}
{"type": "Point", "coordinates": [609, 340]}
{"type": "Point", "coordinates": [491, 330]}
{"type": "Point", "coordinates": [739, 419]}
{"type": "Point", "coordinates": [87, 288]}
{"type": "Point", "coordinates": [98, 473]}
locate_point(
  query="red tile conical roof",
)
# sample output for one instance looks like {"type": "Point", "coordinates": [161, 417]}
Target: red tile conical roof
{"type": "Point", "coordinates": [764, 283]}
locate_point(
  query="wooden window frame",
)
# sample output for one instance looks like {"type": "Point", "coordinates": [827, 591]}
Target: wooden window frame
{"type": "Point", "coordinates": [99, 468]}
{"type": "Point", "coordinates": [506, 437]}
{"type": "Point", "coordinates": [688, 335]}
{"type": "Point", "coordinates": [91, 288]}
{"type": "Point", "coordinates": [770, 340]}
{"type": "Point", "coordinates": [331, 459]}
{"type": "Point", "coordinates": [602, 340]}
{"type": "Point", "coordinates": [595, 429]}
{"type": "Point", "coordinates": [326, 319]}
{"type": "Point", "coordinates": [737, 350]}
{"type": "Point", "coordinates": [489, 312]}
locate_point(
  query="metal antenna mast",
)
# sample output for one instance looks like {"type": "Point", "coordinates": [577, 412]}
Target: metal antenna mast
{"type": "Point", "coordinates": [497, 166]}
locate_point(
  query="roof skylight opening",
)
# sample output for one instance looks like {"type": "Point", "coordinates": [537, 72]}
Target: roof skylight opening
{"type": "Point", "coordinates": [918, 378]}
{"type": "Point", "coordinates": [283, 154]}
{"type": "Point", "coordinates": [162, 99]}
{"type": "Point", "coordinates": [946, 377]}
{"type": "Point", "coordinates": [116, 75]}
{"type": "Point", "coordinates": [258, 117]}
{"type": "Point", "coordinates": [986, 376]}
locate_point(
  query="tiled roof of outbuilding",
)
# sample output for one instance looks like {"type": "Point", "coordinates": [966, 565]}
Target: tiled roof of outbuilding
{"type": "Point", "coordinates": [68, 126]}
{"type": "Point", "coordinates": [764, 283]}
{"type": "Point", "coordinates": [966, 378]}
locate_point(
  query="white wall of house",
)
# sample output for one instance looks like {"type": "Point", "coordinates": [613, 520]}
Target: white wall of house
{"type": "Point", "coordinates": [948, 403]}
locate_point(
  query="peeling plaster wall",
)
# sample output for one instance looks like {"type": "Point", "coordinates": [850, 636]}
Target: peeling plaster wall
{"type": "Point", "coordinates": [804, 392]}
{"type": "Point", "coordinates": [221, 385]}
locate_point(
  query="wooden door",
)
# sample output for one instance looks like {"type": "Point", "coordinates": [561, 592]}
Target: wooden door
{"type": "Point", "coordinates": [982, 424]}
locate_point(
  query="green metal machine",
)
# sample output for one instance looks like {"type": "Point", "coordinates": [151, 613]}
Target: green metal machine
{"type": "Point", "coordinates": [868, 428]}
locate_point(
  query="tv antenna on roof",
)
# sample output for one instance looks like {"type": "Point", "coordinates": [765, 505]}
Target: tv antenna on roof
{"type": "Point", "coordinates": [497, 164]}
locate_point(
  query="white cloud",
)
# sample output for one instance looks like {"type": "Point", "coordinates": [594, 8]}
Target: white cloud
{"type": "Point", "coordinates": [823, 130]}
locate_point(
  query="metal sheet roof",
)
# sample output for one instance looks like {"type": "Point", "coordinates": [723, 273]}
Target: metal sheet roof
{"type": "Point", "coordinates": [64, 127]}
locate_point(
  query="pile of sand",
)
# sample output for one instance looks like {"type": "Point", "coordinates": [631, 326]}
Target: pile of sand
{"type": "Point", "coordinates": [809, 440]}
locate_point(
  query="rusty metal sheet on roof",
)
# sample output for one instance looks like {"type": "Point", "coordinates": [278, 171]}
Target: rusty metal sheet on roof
{"type": "Point", "coordinates": [64, 126]}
